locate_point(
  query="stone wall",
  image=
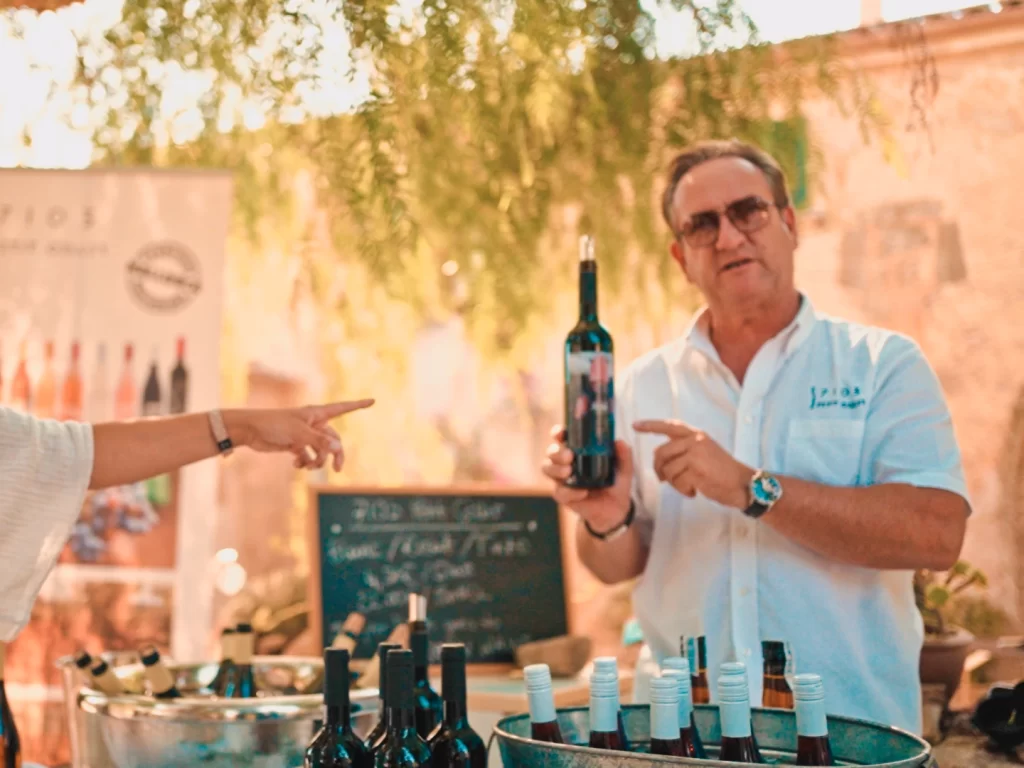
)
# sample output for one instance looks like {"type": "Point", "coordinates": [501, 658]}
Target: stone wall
{"type": "Point", "coordinates": [923, 233]}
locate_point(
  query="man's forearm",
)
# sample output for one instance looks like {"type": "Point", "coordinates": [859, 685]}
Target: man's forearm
{"type": "Point", "coordinates": [889, 526]}
{"type": "Point", "coordinates": [620, 559]}
{"type": "Point", "coordinates": [128, 452]}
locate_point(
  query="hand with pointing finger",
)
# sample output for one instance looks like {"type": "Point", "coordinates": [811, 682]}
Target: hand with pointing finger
{"type": "Point", "coordinates": [304, 432]}
{"type": "Point", "coordinates": [603, 509]}
{"type": "Point", "coordinates": [692, 463]}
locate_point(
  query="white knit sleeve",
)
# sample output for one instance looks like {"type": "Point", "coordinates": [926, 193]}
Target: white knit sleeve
{"type": "Point", "coordinates": [45, 468]}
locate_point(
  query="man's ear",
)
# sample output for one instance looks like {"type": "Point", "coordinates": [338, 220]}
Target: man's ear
{"type": "Point", "coordinates": [789, 221]}
{"type": "Point", "coordinates": [679, 257]}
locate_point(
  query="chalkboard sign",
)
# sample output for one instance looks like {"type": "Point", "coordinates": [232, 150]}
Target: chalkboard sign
{"type": "Point", "coordinates": [489, 562]}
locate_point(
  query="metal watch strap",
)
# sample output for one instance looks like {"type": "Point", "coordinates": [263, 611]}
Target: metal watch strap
{"type": "Point", "coordinates": [220, 433]}
{"type": "Point", "coordinates": [611, 533]}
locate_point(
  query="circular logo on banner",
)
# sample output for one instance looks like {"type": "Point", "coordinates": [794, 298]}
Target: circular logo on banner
{"type": "Point", "coordinates": [164, 276]}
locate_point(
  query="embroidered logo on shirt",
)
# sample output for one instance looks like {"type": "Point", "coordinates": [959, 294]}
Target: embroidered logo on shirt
{"type": "Point", "coordinates": [836, 397]}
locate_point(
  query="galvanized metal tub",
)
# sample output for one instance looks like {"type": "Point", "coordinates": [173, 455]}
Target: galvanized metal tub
{"type": "Point", "coordinates": [269, 731]}
{"type": "Point", "coordinates": [854, 742]}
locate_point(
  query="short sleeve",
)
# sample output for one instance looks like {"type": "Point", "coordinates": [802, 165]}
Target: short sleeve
{"type": "Point", "coordinates": [909, 436]}
{"type": "Point", "coordinates": [45, 468]}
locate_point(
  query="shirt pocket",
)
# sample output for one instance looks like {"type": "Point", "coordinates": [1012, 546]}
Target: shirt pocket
{"type": "Point", "coordinates": [824, 450]}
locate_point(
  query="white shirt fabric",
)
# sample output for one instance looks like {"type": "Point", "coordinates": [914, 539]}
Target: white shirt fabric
{"type": "Point", "coordinates": [827, 401]}
{"type": "Point", "coordinates": [45, 468]}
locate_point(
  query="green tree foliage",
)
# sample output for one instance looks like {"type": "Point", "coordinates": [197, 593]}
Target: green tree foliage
{"type": "Point", "coordinates": [492, 131]}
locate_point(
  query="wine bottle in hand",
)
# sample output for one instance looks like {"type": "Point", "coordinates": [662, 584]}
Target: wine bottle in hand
{"type": "Point", "coordinates": [589, 387]}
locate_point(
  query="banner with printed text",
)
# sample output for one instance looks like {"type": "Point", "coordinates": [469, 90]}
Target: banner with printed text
{"type": "Point", "coordinates": [110, 308]}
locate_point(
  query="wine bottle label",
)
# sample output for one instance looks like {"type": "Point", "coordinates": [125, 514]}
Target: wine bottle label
{"type": "Point", "coordinates": [810, 718]}
{"type": "Point", "coordinates": [604, 714]}
{"type": "Point", "coordinates": [664, 721]}
{"type": "Point", "coordinates": [735, 719]}
{"type": "Point", "coordinates": [590, 402]}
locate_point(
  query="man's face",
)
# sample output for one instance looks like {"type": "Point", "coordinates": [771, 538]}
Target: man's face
{"type": "Point", "coordinates": [736, 269]}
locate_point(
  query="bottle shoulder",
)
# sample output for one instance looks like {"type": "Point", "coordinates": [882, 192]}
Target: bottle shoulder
{"type": "Point", "coordinates": [586, 336]}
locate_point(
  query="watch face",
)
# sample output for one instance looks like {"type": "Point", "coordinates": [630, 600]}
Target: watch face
{"type": "Point", "coordinates": [767, 490]}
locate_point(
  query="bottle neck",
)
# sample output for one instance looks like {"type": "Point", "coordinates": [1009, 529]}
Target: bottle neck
{"type": "Point", "coordinates": [455, 714]}
{"type": "Point", "coordinates": [399, 719]}
{"type": "Point", "coordinates": [810, 718]}
{"type": "Point", "coordinates": [664, 721]}
{"type": "Point", "coordinates": [542, 705]}
{"type": "Point", "coordinates": [604, 714]}
{"type": "Point", "coordinates": [338, 717]}
{"type": "Point", "coordinates": [588, 293]}
{"type": "Point", "coordinates": [735, 719]}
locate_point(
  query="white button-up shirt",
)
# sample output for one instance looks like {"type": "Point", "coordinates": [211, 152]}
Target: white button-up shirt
{"type": "Point", "coordinates": [827, 401]}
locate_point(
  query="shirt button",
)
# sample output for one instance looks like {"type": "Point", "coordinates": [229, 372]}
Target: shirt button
{"type": "Point", "coordinates": [748, 419]}
{"type": "Point", "coordinates": [744, 591]}
{"type": "Point", "coordinates": [747, 652]}
{"type": "Point", "coordinates": [741, 533]}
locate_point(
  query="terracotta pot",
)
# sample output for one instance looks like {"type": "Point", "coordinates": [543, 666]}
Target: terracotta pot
{"type": "Point", "coordinates": [943, 657]}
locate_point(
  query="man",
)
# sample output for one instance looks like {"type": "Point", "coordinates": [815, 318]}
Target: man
{"type": "Point", "coordinates": [781, 473]}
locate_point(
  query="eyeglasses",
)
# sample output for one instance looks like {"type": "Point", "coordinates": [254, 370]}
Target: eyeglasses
{"type": "Point", "coordinates": [748, 214]}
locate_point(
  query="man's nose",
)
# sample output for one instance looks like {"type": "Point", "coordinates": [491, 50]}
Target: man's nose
{"type": "Point", "coordinates": [728, 236]}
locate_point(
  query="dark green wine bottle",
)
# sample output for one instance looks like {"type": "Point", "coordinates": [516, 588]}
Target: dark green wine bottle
{"type": "Point", "coordinates": [400, 746]}
{"type": "Point", "coordinates": [336, 745]}
{"type": "Point", "coordinates": [589, 387]}
{"type": "Point", "coordinates": [374, 737]}
{"type": "Point", "coordinates": [454, 744]}
{"type": "Point", "coordinates": [429, 709]}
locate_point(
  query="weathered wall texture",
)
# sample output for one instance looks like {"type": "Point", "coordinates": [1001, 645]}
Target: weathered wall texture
{"type": "Point", "coordinates": [931, 242]}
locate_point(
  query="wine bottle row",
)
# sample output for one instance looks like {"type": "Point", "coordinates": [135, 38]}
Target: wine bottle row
{"type": "Point", "coordinates": [673, 729]}
{"type": "Point", "coordinates": [417, 726]}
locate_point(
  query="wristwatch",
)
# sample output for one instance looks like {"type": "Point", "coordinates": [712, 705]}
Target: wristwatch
{"type": "Point", "coordinates": [765, 490]}
{"type": "Point", "coordinates": [618, 530]}
{"type": "Point", "coordinates": [220, 433]}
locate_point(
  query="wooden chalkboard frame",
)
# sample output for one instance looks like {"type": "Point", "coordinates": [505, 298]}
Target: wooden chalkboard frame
{"type": "Point", "coordinates": [314, 584]}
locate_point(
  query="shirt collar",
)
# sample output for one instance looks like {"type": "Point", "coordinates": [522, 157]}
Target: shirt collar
{"type": "Point", "coordinates": [792, 336]}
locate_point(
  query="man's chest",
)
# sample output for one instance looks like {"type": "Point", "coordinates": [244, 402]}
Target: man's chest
{"type": "Point", "coordinates": [807, 418]}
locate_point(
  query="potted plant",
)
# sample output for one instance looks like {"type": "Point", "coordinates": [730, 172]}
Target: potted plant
{"type": "Point", "coordinates": [946, 645]}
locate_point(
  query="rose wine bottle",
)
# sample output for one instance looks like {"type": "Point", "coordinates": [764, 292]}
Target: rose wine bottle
{"type": "Point", "coordinates": [679, 668]}
{"type": "Point", "coordinates": [812, 743]}
{"type": "Point", "coordinates": [541, 699]}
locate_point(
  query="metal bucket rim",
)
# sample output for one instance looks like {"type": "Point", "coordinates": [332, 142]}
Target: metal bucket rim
{"type": "Point", "coordinates": [924, 755]}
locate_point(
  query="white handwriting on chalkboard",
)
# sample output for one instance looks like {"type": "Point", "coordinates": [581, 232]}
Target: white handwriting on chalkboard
{"type": "Point", "coordinates": [377, 511]}
{"type": "Point", "coordinates": [390, 576]}
{"type": "Point", "coordinates": [480, 512]}
{"type": "Point", "coordinates": [424, 510]}
{"type": "Point", "coordinates": [443, 571]}
{"type": "Point", "coordinates": [480, 544]}
{"type": "Point", "coordinates": [463, 594]}
{"type": "Point", "coordinates": [461, 625]}
{"type": "Point", "coordinates": [409, 545]}
{"type": "Point", "coordinates": [343, 551]}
